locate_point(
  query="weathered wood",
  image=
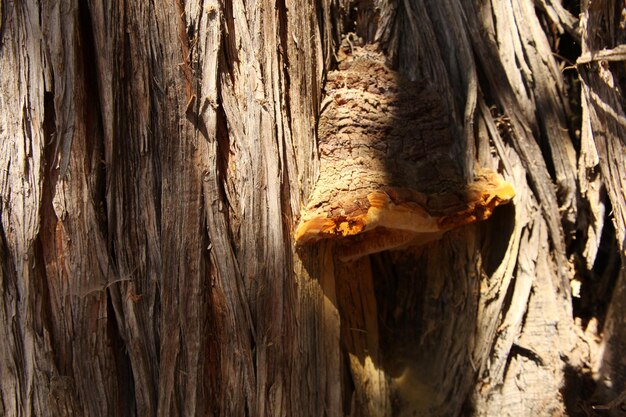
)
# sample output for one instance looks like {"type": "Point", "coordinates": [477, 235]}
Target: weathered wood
{"type": "Point", "coordinates": [601, 69]}
{"type": "Point", "coordinates": [155, 158]}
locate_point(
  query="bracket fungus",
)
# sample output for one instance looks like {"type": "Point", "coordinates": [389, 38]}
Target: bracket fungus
{"type": "Point", "coordinates": [388, 177]}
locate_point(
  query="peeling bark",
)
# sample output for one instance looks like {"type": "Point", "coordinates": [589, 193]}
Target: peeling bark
{"type": "Point", "coordinates": [601, 69]}
{"type": "Point", "coordinates": [155, 159]}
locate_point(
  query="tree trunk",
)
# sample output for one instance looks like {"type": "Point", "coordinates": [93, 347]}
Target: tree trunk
{"type": "Point", "coordinates": [256, 208]}
{"type": "Point", "coordinates": [601, 68]}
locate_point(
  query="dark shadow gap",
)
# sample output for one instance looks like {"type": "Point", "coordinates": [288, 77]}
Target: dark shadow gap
{"type": "Point", "coordinates": [599, 282]}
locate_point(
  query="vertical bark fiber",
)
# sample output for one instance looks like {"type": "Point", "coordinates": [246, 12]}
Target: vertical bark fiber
{"type": "Point", "coordinates": [154, 161]}
{"type": "Point", "coordinates": [602, 68]}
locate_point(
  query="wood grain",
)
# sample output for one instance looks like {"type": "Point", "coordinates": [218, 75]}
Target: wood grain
{"type": "Point", "coordinates": [155, 159]}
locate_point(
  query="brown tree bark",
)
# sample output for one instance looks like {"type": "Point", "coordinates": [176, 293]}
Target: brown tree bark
{"type": "Point", "coordinates": [157, 157]}
{"type": "Point", "coordinates": [601, 68]}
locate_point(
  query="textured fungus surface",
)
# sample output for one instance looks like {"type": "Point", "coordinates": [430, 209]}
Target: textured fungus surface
{"type": "Point", "coordinates": [388, 177]}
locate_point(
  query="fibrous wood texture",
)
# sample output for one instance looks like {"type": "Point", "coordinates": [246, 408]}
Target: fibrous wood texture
{"type": "Point", "coordinates": [144, 154]}
{"type": "Point", "coordinates": [155, 158]}
{"type": "Point", "coordinates": [602, 68]}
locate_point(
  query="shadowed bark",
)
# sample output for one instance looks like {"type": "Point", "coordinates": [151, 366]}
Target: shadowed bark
{"type": "Point", "coordinates": [157, 157]}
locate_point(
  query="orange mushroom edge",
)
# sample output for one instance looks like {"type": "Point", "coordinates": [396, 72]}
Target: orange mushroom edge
{"type": "Point", "coordinates": [405, 218]}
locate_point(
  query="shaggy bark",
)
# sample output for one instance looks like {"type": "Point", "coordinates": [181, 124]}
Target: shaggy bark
{"type": "Point", "coordinates": [154, 161]}
{"type": "Point", "coordinates": [601, 68]}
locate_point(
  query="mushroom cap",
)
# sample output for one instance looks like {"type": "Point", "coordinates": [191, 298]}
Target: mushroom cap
{"type": "Point", "coordinates": [407, 211]}
{"type": "Point", "coordinates": [389, 162]}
